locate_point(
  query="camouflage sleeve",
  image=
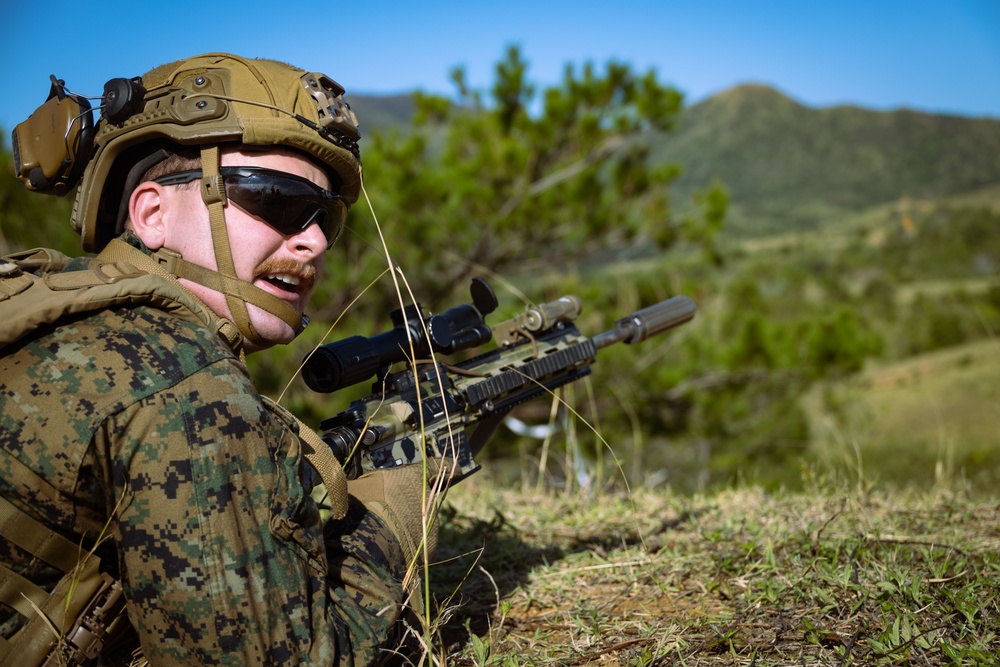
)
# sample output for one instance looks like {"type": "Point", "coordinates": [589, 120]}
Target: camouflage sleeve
{"type": "Point", "coordinates": [223, 553]}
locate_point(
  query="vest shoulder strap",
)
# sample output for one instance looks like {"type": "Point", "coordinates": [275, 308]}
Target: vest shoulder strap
{"type": "Point", "coordinates": [36, 290]}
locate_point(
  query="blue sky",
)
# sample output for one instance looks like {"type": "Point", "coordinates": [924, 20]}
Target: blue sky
{"type": "Point", "coordinates": [939, 56]}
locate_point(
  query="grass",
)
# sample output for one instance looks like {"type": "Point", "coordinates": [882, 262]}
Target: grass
{"type": "Point", "coordinates": [838, 576]}
{"type": "Point", "coordinates": [922, 421]}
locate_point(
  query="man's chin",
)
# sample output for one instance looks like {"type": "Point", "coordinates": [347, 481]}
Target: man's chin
{"type": "Point", "coordinates": [270, 329]}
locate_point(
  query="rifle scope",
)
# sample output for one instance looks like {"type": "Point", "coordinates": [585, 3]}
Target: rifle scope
{"type": "Point", "coordinates": [415, 335]}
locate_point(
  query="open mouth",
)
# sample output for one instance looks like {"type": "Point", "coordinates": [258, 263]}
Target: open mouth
{"type": "Point", "coordinates": [287, 285]}
{"type": "Point", "coordinates": [284, 281]}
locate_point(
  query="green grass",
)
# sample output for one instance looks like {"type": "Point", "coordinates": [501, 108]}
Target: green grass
{"type": "Point", "coordinates": [918, 422]}
{"type": "Point", "coordinates": [842, 575]}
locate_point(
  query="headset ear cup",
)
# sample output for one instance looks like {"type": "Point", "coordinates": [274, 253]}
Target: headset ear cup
{"type": "Point", "coordinates": [83, 150]}
{"type": "Point", "coordinates": [52, 147]}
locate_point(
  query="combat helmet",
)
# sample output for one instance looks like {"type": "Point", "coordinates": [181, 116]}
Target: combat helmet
{"type": "Point", "coordinates": [202, 103]}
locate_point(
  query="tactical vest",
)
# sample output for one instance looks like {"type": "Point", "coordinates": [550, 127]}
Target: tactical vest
{"type": "Point", "coordinates": [85, 613]}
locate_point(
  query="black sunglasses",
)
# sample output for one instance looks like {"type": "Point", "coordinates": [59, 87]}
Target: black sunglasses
{"type": "Point", "coordinates": [286, 202]}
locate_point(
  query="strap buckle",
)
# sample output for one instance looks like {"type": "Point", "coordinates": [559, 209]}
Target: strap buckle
{"type": "Point", "coordinates": [123, 270]}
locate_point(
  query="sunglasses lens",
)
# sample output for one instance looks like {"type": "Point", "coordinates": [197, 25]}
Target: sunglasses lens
{"type": "Point", "coordinates": [286, 203]}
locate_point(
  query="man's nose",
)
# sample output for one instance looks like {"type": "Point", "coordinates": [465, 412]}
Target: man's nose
{"type": "Point", "coordinates": [311, 239]}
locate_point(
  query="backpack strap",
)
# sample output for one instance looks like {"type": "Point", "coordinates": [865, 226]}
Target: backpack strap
{"type": "Point", "coordinates": [330, 470]}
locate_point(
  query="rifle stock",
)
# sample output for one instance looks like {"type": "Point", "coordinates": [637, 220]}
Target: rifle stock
{"type": "Point", "coordinates": [428, 408]}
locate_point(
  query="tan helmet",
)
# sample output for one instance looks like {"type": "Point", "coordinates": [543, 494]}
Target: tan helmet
{"type": "Point", "coordinates": [212, 99]}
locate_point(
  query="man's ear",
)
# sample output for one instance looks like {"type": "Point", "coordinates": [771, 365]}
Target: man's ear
{"type": "Point", "coordinates": [146, 214]}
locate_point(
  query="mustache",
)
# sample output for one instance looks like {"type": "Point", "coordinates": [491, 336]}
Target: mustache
{"type": "Point", "coordinates": [270, 266]}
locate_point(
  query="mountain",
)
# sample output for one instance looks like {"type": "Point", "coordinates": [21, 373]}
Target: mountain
{"type": "Point", "coordinates": [789, 166]}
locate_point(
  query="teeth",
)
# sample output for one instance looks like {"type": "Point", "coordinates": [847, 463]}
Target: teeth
{"type": "Point", "coordinates": [286, 278]}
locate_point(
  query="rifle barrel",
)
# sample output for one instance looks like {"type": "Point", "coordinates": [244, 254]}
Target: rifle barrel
{"type": "Point", "coordinates": [648, 322]}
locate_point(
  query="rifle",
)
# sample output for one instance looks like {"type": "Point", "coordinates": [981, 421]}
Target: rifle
{"type": "Point", "coordinates": [451, 410]}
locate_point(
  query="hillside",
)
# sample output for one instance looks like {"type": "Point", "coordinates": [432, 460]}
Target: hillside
{"type": "Point", "coordinates": [790, 166]}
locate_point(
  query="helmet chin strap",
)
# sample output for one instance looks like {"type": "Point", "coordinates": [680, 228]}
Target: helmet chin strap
{"type": "Point", "coordinates": [238, 292]}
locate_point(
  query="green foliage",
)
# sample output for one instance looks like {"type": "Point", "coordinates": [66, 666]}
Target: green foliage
{"type": "Point", "coordinates": [839, 343]}
{"type": "Point", "coordinates": [503, 181]}
{"type": "Point", "coordinates": [721, 398]}
{"type": "Point", "coordinates": [485, 185]}
{"type": "Point", "coordinates": [946, 242]}
{"type": "Point", "coordinates": [945, 245]}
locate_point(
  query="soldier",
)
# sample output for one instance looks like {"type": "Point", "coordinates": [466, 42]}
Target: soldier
{"type": "Point", "coordinates": [129, 425]}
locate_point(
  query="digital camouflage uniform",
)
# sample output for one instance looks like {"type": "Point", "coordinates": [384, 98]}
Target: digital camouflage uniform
{"type": "Point", "coordinates": [147, 422]}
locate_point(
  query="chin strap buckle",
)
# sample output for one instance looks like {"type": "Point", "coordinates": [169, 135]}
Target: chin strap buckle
{"type": "Point", "coordinates": [213, 190]}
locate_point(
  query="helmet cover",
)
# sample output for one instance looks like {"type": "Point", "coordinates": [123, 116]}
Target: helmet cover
{"type": "Point", "coordinates": [215, 99]}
